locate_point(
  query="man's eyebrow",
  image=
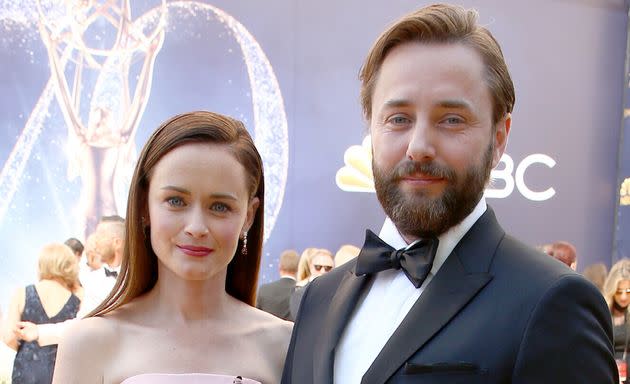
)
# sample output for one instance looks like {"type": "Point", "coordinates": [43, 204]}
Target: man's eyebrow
{"type": "Point", "coordinates": [454, 104]}
{"type": "Point", "coordinates": [397, 103]}
{"type": "Point", "coordinates": [447, 103]}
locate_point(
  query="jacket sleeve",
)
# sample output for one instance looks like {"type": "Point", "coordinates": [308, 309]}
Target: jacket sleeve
{"type": "Point", "coordinates": [288, 374]}
{"type": "Point", "coordinates": [568, 337]}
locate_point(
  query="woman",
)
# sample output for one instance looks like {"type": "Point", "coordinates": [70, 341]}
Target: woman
{"type": "Point", "coordinates": [53, 299]}
{"type": "Point", "coordinates": [617, 294]}
{"type": "Point", "coordinates": [313, 262]}
{"type": "Point", "coordinates": [182, 308]}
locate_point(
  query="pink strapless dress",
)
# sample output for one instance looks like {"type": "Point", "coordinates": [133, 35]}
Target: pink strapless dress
{"type": "Point", "coordinates": [187, 378]}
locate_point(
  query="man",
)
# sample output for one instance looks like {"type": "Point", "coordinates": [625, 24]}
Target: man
{"type": "Point", "coordinates": [109, 245]}
{"type": "Point", "coordinates": [445, 295]}
{"type": "Point", "coordinates": [274, 297]}
{"type": "Point", "coordinates": [76, 246]}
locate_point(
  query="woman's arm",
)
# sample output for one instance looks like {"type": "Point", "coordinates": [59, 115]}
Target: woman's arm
{"type": "Point", "coordinates": [9, 333]}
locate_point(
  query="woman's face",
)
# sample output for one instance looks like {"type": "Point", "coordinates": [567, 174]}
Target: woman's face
{"type": "Point", "coordinates": [198, 208]}
{"type": "Point", "coordinates": [321, 263]}
{"type": "Point", "coordinates": [622, 295]}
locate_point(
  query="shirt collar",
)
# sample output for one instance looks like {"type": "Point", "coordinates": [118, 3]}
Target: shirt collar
{"type": "Point", "coordinates": [447, 241]}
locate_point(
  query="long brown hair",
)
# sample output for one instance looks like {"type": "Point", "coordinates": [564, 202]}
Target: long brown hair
{"type": "Point", "coordinates": [138, 271]}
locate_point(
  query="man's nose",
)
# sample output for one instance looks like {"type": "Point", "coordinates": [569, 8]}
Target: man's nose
{"type": "Point", "coordinates": [421, 145]}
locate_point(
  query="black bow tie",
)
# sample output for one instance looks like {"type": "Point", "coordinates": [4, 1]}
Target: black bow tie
{"type": "Point", "coordinates": [109, 273]}
{"type": "Point", "coordinates": [416, 261]}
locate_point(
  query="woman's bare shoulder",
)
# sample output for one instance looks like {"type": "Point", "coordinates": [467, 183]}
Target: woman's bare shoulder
{"type": "Point", "coordinates": [85, 334]}
{"type": "Point", "coordinates": [271, 330]}
{"type": "Point", "coordinates": [85, 350]}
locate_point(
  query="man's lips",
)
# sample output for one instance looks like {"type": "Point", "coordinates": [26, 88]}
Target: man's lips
{"type": "Point", "coordinates": [422, 179]}
{"type": "Point", "coordinates": [192, 250]}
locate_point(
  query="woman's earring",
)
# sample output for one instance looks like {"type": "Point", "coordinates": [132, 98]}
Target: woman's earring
{"type": "Point", "coordinates": [244, 247]}
{"type": "Point", "coordinates": [145, 227]}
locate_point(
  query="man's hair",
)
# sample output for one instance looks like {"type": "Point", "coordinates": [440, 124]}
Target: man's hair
{"type": "Point", "coordinates": [114, 218]}
{"type": "Point", "coordinates": [442, 24]}
{"type": "Point", "coordinates": [563, 251]}
{"type": "Point", "coordinates": [289, 261]}
{"type": "Point", "coordinates": [76, 245]}
{"type": "Point", "coordinates": [107, 233]}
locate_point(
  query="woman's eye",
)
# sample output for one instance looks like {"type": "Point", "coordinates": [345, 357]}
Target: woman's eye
{"type": "Point", "coordinates": [220, 207]}
{"type": "Point", "coordinates": [175, 201]}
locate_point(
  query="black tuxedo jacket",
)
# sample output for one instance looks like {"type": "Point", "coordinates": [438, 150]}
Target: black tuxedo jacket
{"type": "Point", "coordinates": [274, 297]}
{"type": "Point", "coordinates": [497, 311]}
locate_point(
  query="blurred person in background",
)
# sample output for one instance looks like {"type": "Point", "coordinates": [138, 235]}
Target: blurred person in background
{"type": "Point", "coordinates": [109, 243]}
{"type": "Point", "coordinates": [53, 299]}
{"type": "Point", "coordinates": [76, 246]}
{"type": "Point", "coordinates": [274, 297]}
{"type": "Point", "coordinates": [617, 295]}
{"type": "Point", "coordinates": [596, 274]}
{"type": "Point", "coordinates": [314, 262]}
{"type": "Point", "coordinates": [562, 251]}
{"type": "Point", "coordinates": [91, 260]}
{"type": "Point", "coordinates": [104, 250]}
{"type": "Point", "coordinates": [346, 253]}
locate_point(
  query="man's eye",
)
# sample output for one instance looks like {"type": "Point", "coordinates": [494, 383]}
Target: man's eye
{"type": "Point", "coordinates": [453, 120]}
{"type": "Point", "coordinates": [175, 201]}
{"type": "Point", "coordinates": [399, 120]}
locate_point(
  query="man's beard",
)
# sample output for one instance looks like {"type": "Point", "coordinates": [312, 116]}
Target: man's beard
{"type": "Point", "coordinates": [417, 214]}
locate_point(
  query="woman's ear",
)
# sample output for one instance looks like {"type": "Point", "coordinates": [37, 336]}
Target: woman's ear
{"type": "Point", "coordinates": [251, 213]}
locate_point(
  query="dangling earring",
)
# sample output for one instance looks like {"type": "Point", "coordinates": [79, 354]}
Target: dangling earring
{"type": "Point", "coordinates": [145, 227]}
{"type": "Point", "coordinates": [244, 247]}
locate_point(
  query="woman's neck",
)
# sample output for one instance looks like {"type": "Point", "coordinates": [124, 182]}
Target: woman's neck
{"type": "Point", "coordinates": [617, 310]}
{"type": "Point", "coordinates": [185, 301]}
{"type": "Point", "coordinates": [55, 281]}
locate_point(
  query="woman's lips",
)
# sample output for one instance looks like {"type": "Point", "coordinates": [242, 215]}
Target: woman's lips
{"type": "Point", "coordinates": [192, 250]}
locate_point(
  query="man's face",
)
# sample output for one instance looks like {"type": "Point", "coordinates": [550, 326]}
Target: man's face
{"type": "Point", "coordinates": [432, 138]}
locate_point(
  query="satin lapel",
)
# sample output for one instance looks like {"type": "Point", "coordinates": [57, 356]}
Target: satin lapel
{"type": "Point", "coordinates": [450, 290]}
{"type": "Point", "coordinates": [338, 315]}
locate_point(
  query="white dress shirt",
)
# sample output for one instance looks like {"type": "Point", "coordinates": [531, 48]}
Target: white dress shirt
{"type": "Point", "coordinates": [96, 287]}
{"type": "Point", "coordinates": [386, 303]}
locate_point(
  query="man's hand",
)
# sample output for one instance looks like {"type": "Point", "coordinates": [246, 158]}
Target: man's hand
{"type": "Point", "coordinates": [26, 331]}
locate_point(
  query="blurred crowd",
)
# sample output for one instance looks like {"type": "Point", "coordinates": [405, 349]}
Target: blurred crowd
{"type": "Point", "coordinates": [73, 279]}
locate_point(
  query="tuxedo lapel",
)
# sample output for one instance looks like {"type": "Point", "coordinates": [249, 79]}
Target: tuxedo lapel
{"type": "Point", "coordinates": [338, 315]}
{"type": "Point", "coordinates": [461, 277]}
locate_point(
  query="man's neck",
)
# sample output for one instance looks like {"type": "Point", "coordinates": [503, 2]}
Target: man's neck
{"type": "Point", "coordinates": [287, 275]}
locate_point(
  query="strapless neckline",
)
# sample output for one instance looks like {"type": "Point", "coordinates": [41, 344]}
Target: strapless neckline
{"type": "Point", "coordinates": [187, 378]}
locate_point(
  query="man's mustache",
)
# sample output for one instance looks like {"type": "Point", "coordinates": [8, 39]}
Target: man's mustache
{"type": "Point", "coordinates": [410, 167]}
